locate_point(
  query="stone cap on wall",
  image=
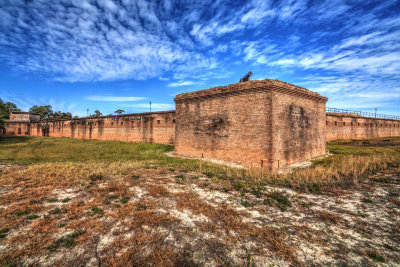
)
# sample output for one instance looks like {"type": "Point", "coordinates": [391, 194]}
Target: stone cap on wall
{"type": "Point", "coordinates": [261, 85]}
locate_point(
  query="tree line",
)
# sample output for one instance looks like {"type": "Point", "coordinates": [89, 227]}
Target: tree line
{"type": "Point", "coordinates": [46, 112]}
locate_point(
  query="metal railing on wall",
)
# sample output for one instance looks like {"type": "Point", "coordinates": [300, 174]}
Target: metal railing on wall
{"type": "Point", "coordinates": [362, 113]}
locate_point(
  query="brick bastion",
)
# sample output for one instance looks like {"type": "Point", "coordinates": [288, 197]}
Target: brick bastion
{"type": "Point", "coordinates": [266, 123]}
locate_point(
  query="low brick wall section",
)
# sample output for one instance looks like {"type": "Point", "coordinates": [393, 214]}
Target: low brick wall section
{"type": "Point", "coordinates": [155, 127]}
{"type": "Point", "coordinates": [345, 126]}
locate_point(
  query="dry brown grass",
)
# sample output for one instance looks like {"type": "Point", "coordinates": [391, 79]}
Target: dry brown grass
{"type": "Point", "coordinates": [223, 218]}
{"type": "Point", "coordinates": [145, 229]}
{"type": "Point", "coordinates": [328, 217]}
{"type": "Point", "coordinates": [157, 191]}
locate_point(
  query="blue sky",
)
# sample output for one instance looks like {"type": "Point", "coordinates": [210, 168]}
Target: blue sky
{"type": "Point", "coordinates": [120, 54]}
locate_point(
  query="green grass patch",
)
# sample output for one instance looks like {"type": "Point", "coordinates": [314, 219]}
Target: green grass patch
{"type": "Point", "coordinates": [352, 160]}
{"type": "Point", "coordinates": [376, 257]}
{"type": "Point", "coordinates": [65, 241]}
{"type": "Point", "coordinates": [96, 211]}
{"type": "Point", "coordinates": [280, 199]}
{"type": "Point", "coordinates": [3, 232]}
{"type": "Point", "coordinates": [32, 217]}
{"type": "Point", "coordinates": [367, 200]}
{"type": "Point", "coordinates": [124, 200]}
{"type": "Point", "coordinates": [57, 211]}
{"type": "Point", "coordinates": [246, 204]}
{"type": "Point", "coordinates": [23, 212]}
{"type": "Point", "coordinates": [66, 200]}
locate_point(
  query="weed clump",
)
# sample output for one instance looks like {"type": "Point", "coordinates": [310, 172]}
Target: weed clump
{"type": "Point", "coordinates": [66, 200]}
{"type": "Point", "coordinates": [141, 206]}
{"type": "Point", "coordinates": [57, 211]}
{"type": "Point", "coordinates": [23, 212]}
{"type": "Point", "coordinates": [32, 217]}
{"type": "Point", "coordinates": [279, 199]}
{"type": "Point", "coordinates": [124, 200]}
{"type": "Point", "coordinates": [367, 200]}
{"type": "Point", "coordinates": [66, 241]}
{"type": "Point", "coordinates": [96, 177]}
{"type": "Point", "coordinates": [376, 257]}
{"type": "Point", "coordinates": [96, 211]}
{"type": "Point", "coordinates": [3, 232]}
{"type": "Point", "coordinates": [246, 204]}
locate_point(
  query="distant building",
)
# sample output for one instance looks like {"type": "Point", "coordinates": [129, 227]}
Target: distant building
{"type": "Point", "coordinates": [21, 116]}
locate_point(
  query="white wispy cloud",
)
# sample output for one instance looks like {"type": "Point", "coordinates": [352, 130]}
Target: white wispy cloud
{"type": "Point", "coordinates": [114, 98]}
{"type": "Point", "coordinates": [182, 83]}
{"type": "Point", "coordinates": [154, 106]}
{"type": "Point", "coordinates": [193, 43]}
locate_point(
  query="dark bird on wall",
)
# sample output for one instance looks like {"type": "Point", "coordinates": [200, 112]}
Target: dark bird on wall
{"type": "Point", "coordinates": [246, 77]}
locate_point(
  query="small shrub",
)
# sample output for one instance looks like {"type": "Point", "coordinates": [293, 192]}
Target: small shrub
{"type": "Point", "coordinates": [141, 206]}
{"type": "Point", "coordinates": [52, 200]}
{"type": "Point", "coordinates": [361, 214]}
{"type": "Point", "coordinates": [257, 192]}
{"type": "Point", "coordinates": [96, 211]}
{"type": "Point", "coordinates": [171, 169]}
{"type": "Point", "coordinates": [23, 212]}
{"type": "Point", "coordinates": [246, 204]}
{"type": "Point", "coordinates": [57, 211]}
{"type": "Point", "coordinates": [314, 188]}
{"type": "Point", "coordinates": [238, 186]}
{"type": "Point", "coordinates": [376, 257]}
{"type": "Point", "coordinates": [3, 232]}
{"type": "Point", "coordinates": [367, 200]}
{"type": "Point", "coordinates": [135, 177]}
{"type": "Point", "coordinates": [61, 225]}
{"type": "Point", "coordinates": [305, 204]}
{"type": "Point", "coordinates": [65, 200]}
{"type": "Point", "coordinates": [209, 174]}
{"type": "Point", "coordinates": [32, 217]}
{"type": "Point", "coordinates": [124, 200]}
{"type": "Point", "coordinates": [96, 177]}
{"type": "Point", "coordinates": [384, 180]}
{"type": "Point", "coordinates": [66, 241]}
{"type": "Point", "coordinates": [268, 202]}
{"type": "Point", "coordinates": [282, 201]}
{"type": "Point", "coordinates": [34, 201]}
{"type": "Point", "coordinates": [328, 217]}
{"type": "Point", "coordinates": [112, 197]}
{"type": "Point", "coordinates": [194, 177]}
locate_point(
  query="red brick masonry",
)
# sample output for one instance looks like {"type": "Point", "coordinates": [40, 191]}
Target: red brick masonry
{"type": "Point", "coordinates": [267, 123]}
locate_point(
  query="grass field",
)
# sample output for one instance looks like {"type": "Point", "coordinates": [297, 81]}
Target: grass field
{"type": "Point", "coordinates": [85, 202]}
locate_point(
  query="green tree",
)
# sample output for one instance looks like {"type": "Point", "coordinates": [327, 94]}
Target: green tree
{"type": "Point", "coordinates": [6, 107]}
{"type": "Point", "coordinates": [119, 111]}
{"type": "Point", "coordinates": [59, 115]}
{"type": "Point", "coordinates": [45, 112]}
{"type": "Point", "coordinates": [1, 122]}
{"type": "Point", "coordinates": [97, 113]}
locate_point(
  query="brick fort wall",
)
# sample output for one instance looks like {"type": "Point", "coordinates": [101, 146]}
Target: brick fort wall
{"type": "Point", "coordinates": [265, 123]}
{"type": "Point", "coordinates": [345, 126]}
{"type": "Point", "coordinates": [155, 127]}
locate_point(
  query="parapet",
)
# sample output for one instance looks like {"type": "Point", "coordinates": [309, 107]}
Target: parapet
{"type": "Point", "coordinates": [257, 85]}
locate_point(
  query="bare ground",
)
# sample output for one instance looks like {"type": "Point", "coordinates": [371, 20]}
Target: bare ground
{"type": "Point", "coordinates": [154, 216]}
